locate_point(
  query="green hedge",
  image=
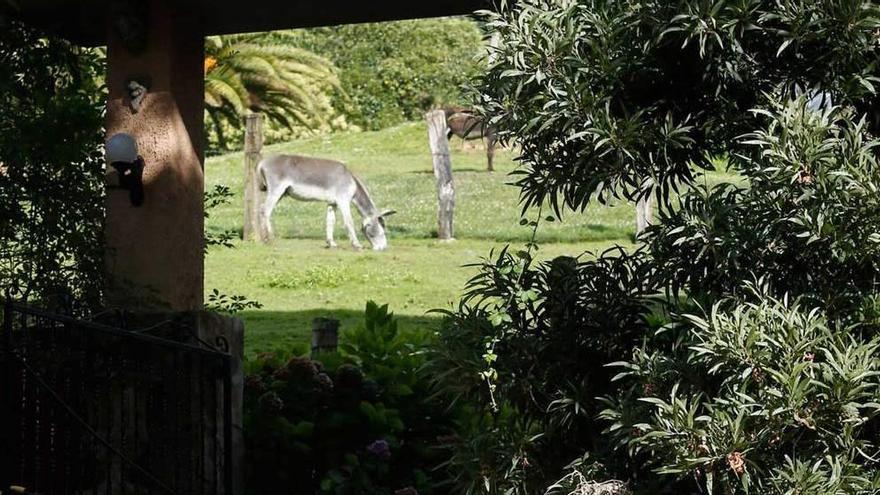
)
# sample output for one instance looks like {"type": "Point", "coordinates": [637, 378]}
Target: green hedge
{"type": "Point", "coordinates": [393, 71]}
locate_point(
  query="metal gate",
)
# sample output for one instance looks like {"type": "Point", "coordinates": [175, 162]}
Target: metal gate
{"type": "Point", "coordinates": [92, 409]}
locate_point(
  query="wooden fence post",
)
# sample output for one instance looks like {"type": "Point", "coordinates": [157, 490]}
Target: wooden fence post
{"type": "Point", "coordinates": [253, 146]}
{"type": "Point", "coordinates": [644, 213]}
{"type": "Point", "coordinates": [325, 335]}
{"type": "Point", "coordinates": [491, 54]}
{"type": "Point", "coordinates": [490, 148]}
{"type": "Point", "coordinates": [442, 172]}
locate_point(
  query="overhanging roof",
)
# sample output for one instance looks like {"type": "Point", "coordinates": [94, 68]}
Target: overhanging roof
{"type": "Point", "coordinates": [84, 21]}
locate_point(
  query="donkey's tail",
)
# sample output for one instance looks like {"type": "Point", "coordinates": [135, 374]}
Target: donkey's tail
{"type": "Point", "coordinates": [262, 177]}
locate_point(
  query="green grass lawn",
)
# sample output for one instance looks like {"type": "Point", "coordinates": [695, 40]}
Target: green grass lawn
{"type": "Point", "coordinates": [296, 278]}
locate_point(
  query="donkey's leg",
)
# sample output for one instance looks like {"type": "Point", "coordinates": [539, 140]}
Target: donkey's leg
{"type": "Point", "coordinates": [345, 209]}
{"type": "Point", "coordinates": [331, 222]}
{"type": "Point", "coordinates": [272, 198]}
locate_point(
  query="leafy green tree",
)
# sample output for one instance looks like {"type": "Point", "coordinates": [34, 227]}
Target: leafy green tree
{"type": "Point", "coordinates": [611, 98]}
{"type": "Point", "coordinates": [741, 332]}
{"type": "Point", "coordinates": [258, 73]}
{"type": "Point", "coordinates": [392, 72]}
{"type": "Point", "coordinates": [51, 170]}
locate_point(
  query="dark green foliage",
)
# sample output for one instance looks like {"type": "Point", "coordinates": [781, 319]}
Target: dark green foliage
{"type": "Point", "coordinates": [611, 98]}
{"type": "Point", "coordinates": [808, 220]}
{"type": "Point", "coordinates": [220, 195]}
{"type": "Point", "coordinates": [357, 422]}
{"type": "Point", "coordinates": [217, 301]}
{"type": "Point", "coordinates": [532, 340]}
{"type": "Point", "coordinates": [773, 400]}
{"type": "Point", "coordinates": [735, 351]}
{"type": "Point", "coordinates": [777, 385]}
{"type": "Point", "coordinates": [51, 170]}
{"type": "Point", "coordinates": [230, 304]}
{"type": "Point", "coordinates": [392, 72]}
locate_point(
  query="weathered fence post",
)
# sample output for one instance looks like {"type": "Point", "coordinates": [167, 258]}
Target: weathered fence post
{"type": "Point", "coordinates": [644, 213]}
{"type": "Point", "coordinates": [253, 146]}
{"type": "Point", "coordinates": [442, 172]}
{"type": "Point", "coordinates": [491, 54]}
{"type": "Point", "coordinates": [325, 335]}
{"type": "Point", "coordinates": [490, 148]}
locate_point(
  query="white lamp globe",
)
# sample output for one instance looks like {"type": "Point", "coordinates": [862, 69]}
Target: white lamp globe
{"type": "Point", "coordinates": [121, 148]}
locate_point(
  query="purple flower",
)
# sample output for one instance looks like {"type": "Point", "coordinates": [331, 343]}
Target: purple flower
{"type": "Point", "coordinates": [380, 449]}
{"type": "Point", "coordinates": [254, 383]}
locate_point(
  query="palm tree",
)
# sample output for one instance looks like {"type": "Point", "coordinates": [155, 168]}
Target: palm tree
{"type": "Point", "coordinates": [262, 73]}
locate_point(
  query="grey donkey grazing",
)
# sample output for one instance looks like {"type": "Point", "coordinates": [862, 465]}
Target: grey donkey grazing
{"type": "Point", "coordinates": [316, 179]}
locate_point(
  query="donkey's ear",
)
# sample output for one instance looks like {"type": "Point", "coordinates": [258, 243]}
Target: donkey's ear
{"type": "Point", "coordinates": [387, 213]}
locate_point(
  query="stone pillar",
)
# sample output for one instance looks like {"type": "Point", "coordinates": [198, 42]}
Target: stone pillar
{"type": "Point", "coordinates": [155, 252]}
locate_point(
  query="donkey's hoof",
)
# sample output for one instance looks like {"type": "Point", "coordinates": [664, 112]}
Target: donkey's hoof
{"type": "Point", "coordinates": [357, 247]}
{"type": "Point", "coordinates": [332, 245]}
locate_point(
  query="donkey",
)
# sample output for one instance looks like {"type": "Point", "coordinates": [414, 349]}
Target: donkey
{"type": "Point", "coordinates": [464, 123]}
{"type": "Point", "coordinates": [316, 179]}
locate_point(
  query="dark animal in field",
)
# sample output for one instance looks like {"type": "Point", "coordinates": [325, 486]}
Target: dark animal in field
{"type": "Point", "coordinates": [467, 125]}
{"type": "Point", "coordinates": [316, 179]}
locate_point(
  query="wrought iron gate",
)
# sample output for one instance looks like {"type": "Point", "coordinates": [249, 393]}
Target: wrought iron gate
{"type": "Point", "coordinates": [92, 409]}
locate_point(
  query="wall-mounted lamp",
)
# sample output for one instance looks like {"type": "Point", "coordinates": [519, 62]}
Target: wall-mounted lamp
{"type": "Point", "coordinates": [122, 154]}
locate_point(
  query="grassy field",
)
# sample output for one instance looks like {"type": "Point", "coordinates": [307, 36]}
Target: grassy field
{"type": "Point", "coordinates": [296, 278]}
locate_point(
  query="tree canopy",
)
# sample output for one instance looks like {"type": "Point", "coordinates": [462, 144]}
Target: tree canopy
{"type": "Point", "coordinates": [733, 349]}
{"type": "Point", "coordinates": [612, 98]}
{"type": "Point", "coordinates": [51, 170]}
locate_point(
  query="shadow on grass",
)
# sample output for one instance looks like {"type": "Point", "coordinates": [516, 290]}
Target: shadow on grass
{"type": "Point", "coordinates": [401, 229]}
{"type": "Point", "coordinates": [585, 233]}
{"type": "Point", "coordinates": [290, 332]}
{"type": "Point", "coordinates": [454, 170]}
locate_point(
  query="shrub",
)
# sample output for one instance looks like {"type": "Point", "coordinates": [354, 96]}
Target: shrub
{"type": "Point", "coordinates": [756, 391]}
{"type": "Point", "coordinates": [357, 422]}
{"type": "Point", "coordinates": [539, 338]}
{"type": "Point", "coordinates": [531, 340]}
{"type": "Point", "coordinates": [51, 171]}
{"type": "Point", "coordinates": [774, 400]}
{"type": "Point", "coordinates": [807, 221]}
{"type": "Point", "coordinates": [392, 72]}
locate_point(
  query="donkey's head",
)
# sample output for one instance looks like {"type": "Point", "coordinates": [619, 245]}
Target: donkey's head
{"type": "Point", "coordinates": [374, 229]}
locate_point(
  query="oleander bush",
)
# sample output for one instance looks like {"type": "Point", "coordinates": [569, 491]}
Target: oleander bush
{"type": "Point", "coordinates": [734, 348]}
{"type": "Point", "coordinates": [773, 399]}
{"type": "Point", "coordinates": [529, 340]}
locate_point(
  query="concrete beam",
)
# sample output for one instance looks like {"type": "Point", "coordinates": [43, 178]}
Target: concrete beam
{"type": "Point", "coordinates": [77, 20]}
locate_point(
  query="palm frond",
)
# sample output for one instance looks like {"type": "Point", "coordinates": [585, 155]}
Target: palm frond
{"type": "Point", "coordinates": [225, 90]}
{"type": "Point", "coordinates": [264, 73]}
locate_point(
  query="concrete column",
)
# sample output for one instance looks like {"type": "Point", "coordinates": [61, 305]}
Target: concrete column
{"type": "Point", "coordinates": [155, 252]}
